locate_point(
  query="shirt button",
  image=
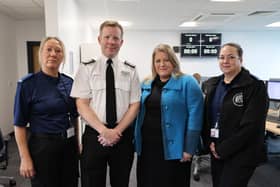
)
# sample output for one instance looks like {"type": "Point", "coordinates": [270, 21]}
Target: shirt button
{"type": "Point", "coordinates": [168, 125]}
{"type": "Point", "coordinates": [166, 107]}
{"type": "Point", "coordinates": [171, 142]}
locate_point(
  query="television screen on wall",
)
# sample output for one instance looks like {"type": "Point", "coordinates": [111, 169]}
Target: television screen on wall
{"type": "Point", "coordinates": [190, 39]}
{"type": "Point", "coordinates": [200, 44]}
{"type": "Point", "coordinates": [190, 50]}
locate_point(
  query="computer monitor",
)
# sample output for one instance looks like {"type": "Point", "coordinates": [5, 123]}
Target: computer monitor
{"type": "Point", "coordinates": [273, 89]}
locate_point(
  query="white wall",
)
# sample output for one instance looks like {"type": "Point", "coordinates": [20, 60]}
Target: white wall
{"type": "Point", "coordinates": [13, 61]}
{"type": "Point", "coordinates": [260, 52]}
{"type": "Point", "coordinates": [69, 30]}
{"type": "Point", "coordinates": [8, 72]}
{"type": "Point", "coordinates": [27, 31]}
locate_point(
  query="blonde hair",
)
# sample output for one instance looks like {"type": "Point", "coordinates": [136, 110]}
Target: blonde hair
{"type": "Point", "coordinates": [171, 57]}
{"type": "Point", "coordinates": [110, 23]}
{"type": "Point", "coordinates": [197, 76]}
{"type": "Point", "coordinates": [43, 42]}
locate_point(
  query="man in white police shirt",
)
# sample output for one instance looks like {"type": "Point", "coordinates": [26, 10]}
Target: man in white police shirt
{"type": "Point", "coordinates": [108, 107]}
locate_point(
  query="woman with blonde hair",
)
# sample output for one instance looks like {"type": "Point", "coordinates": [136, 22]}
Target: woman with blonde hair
{"type": "Point", "coordinates": [169, 122]}
{"type": "Point", "coordinates": [50, 155]}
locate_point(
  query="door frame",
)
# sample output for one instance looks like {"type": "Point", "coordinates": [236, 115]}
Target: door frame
{"type": "Point", "coordinates": [30, 61]}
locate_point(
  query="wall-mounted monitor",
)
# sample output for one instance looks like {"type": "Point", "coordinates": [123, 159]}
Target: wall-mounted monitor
{"type": "Point", "coordinates": [210, 50]}
{"type": "Point", "coordinates": [190, 39]}
{"type": "Point", "coordinates": [200, 44]}
{"type": "Point", "coordinates": [273, 89]}
{"type": "Point", "coordinates": [190, 50]}
{"type": "Point", "coordinates": [211, 39]}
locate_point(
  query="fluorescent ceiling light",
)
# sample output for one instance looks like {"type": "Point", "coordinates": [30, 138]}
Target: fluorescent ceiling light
{"type": "Point", "coordinates": [225, 0]}
{"type": "Point", "coordinates": [125, 23]}
{"type": "Point", "coordinates": [188, 24]}
{"type": "Point", "coordinates": [275, 24]}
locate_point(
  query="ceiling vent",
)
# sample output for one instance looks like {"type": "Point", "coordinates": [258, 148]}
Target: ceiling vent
{"type": "Point", "coordinates": [214, 17]}
{"type": "Point", "coordinates": [262, 13]}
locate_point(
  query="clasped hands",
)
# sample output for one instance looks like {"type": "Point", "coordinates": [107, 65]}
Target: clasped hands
{"type": "Point", "coordinates": [109, 137]}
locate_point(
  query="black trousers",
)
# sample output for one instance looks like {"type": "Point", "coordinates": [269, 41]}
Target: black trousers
{"type": "Point", "coordinates": [153, 170]}
{"type": "Point", "coordinates": [95, 158]}
{"type": "Point", "coordinates": [55, 159]}
{"type": "Point", "coordinates": [230, 174]}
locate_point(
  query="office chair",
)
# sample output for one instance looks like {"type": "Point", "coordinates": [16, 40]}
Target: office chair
{"type": "Point", "coordinates": [201, 159]}
{"type": "Point", "coordinates": [4, 161]}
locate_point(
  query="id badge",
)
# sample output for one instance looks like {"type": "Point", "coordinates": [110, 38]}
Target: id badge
{"type": "Point", "coordinates": [70, 132]}
{"type": "Point", "coordinates": [214, 133]}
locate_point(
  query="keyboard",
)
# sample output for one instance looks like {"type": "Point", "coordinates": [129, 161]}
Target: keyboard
{"type": "Point", "coordinates": [274, 119]}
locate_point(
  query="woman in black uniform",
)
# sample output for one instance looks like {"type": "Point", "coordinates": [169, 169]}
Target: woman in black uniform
{"type": "Point", "coordinates": [236, 107]}
{"type": "Point", "coordinates": [50, 156]}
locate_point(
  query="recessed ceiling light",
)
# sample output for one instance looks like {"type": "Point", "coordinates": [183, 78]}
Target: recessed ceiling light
{"type": "Point", "coordinates": [188, 24]}
{"type": "Point", "coordinates": [226, 0]}
{"type": "Point", "coordinates": [275, 24]}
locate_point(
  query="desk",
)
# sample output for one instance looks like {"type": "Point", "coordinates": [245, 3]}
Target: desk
{"type": "Point", "coordinates": [270, 126]}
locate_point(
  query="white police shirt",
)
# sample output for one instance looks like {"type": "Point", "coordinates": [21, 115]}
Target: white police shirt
{"type": "Point", "coordinates": [90, 83]}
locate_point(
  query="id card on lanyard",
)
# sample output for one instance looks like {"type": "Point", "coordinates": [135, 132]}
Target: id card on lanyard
{"type": "Point", "coordinates": [214, 132]}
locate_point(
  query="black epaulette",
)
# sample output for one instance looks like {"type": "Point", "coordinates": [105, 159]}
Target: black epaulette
{"type": "Point", "coordinates": [128, 64]}
{"type": "Point", "coordinates": [28, 76]}
{"type": "Point", "coordinates": [89, 62]}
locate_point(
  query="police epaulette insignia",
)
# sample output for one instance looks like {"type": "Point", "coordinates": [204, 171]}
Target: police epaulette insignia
{"type": "Point", "coordinates": [28, 76]}
{"type": "Point", "coordinates": [89, 62]}
{"type": "Point", "coordinates": [128, 64]}
{"type": "Point", "coordinates": [67, 76]}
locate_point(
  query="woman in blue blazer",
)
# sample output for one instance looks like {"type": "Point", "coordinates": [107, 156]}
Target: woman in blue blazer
{"type": "Point", "coordinates": [169, 122]}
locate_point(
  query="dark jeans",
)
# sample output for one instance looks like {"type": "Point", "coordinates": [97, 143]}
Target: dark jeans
{"type": "Point", "coordinates": [55, 159]}
{"type": "Point", "coordinates": [95, 158]}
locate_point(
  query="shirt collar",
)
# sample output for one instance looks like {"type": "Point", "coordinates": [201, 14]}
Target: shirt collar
{"type": "Point", "coordinates": [115, 60]}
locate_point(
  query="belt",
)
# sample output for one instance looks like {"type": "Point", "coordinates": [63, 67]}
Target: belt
{"type": "Point", "coordinates": [50, 135]}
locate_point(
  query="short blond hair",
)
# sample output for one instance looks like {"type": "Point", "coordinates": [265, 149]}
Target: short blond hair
{"type": "Point", "coordinates": [111, 23]}
{"type": "Point", "coordinates": [43, 42]}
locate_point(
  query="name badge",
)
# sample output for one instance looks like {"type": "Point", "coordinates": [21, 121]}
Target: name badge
{"type": "Point", "coordinates": [214, 133]}
{"type": "Point", "coordinates": [70, 132]}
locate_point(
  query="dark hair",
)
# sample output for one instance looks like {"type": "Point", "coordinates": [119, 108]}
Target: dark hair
{"type": "Point", "coordinates": [235, 45]}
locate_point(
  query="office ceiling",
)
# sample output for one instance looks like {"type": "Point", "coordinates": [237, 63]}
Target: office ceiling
{"type": "Point", "coordinates": [22, 9]}
{"type": "Point", "coordinates": [163, 14]}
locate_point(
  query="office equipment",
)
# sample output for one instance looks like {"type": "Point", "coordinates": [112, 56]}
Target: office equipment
{"type": "Point", "coordinates": [272, 127]}
{"type": "Point", "coordinates": [273, 119]}
{"type": "Point", "coordinates": [200, 44]}
{"type": "Point", "coordinates": [273, 89]}
{"type": "Point", "coordinates": [4, 160]}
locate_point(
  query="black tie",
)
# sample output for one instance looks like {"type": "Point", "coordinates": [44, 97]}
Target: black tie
{"type": "Point", "coordinates": [111, 114]}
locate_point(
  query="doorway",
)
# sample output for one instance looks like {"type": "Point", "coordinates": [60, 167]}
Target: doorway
{"type": "Point", "coordinates": [33, 56]}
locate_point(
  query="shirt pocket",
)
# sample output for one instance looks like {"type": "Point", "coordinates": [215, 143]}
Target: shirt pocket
{"type": "Point", "coordinates": [123, 85]}
{"type": "Point", "coordinates": [98, 85]}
